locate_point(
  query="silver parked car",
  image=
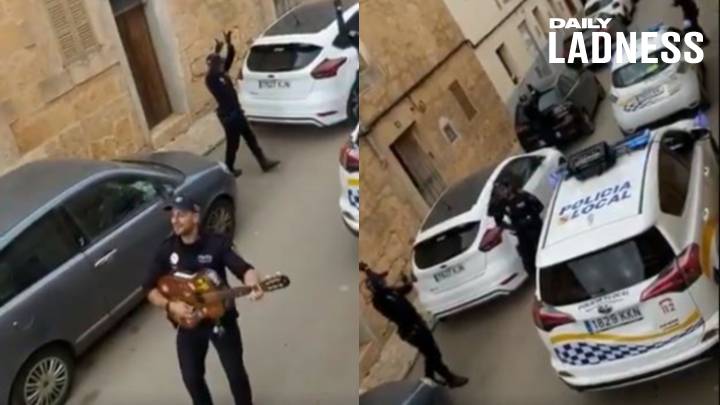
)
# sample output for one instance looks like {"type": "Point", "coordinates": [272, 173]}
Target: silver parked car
{"type": "Point", "coordinates": [76, 237]}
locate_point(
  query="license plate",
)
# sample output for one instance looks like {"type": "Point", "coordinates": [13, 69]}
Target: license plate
{"type": "Point", "coordinates": [624, 317]}
{"type": "Point", "coordinates": [447, 273]}
{"type": "Point", "coordinates": [273, 84]}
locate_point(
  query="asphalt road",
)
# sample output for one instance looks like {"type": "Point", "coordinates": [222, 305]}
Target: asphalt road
{"type": "Point", "coordinates": [300, 343]}
{"type": "Point", "coordinates": [497, 346]}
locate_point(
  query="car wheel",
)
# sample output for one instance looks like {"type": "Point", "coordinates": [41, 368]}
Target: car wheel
{"type": "Point", "coordinates": [353, 103]}
{"type": "Point", "coordinates": [588, 126]}
{"type": "Point", "coordinates": [220, 218]}
{"type": "Point", "coordinates": [46, 378]}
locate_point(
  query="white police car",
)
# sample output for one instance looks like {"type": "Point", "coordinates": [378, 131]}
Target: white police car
{"type": "Point", "coordinates": [645, 93]}
{"type": "Point", "coordinates": [460, 258]}
{"type": "Point", "coordinates": [625, 290]}
{"type": "Point", "coordinates": [350, 182]}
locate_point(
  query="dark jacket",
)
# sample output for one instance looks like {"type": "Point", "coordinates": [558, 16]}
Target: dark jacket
{"type": "Point", "coordinates": [392, 302]}
{"type": "Point", "coordinates": [221, 86]}
{"type": "Point", "coordinates": [523, 210]}
{"type": "Point", "coordinates": [689, 8]}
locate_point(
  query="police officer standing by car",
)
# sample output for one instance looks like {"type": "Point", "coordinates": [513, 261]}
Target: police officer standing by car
{"type": "Point", "coordinates": [691, 12]}
{"type": "Point", "coordinates": [189, 251]}
{"type": "Point", "coordinates": [392, 303]}
{"type": "Point", "coordinates": [523, 209]}
{"type": "Point", "coordinates": [229, 112]}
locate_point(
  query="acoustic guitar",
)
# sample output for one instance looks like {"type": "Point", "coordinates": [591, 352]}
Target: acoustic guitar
{"type": "Point", "coordinates": [205, 293]}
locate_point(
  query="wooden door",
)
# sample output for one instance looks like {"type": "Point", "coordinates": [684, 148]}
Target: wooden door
{"type": "Point", "coordinates": [136, 39]}
{"type": "Point", "coordinates": [418, 166]}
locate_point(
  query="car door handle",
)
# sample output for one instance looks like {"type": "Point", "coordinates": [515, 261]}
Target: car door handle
{"type": "Point", "coordinates": [17, 325]}
{"type": "Point", "coordinates": [106, 259]}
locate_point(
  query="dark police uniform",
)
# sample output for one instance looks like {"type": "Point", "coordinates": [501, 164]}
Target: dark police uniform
{"type": "Point", "coordinates": [392, 303]}
{"type": "Point", "coordinates": [690, 14]}
{"type": "Point", "coordinates": [524, 211]}
{"type": "Point", "coordinates": [213, 252]}
{"type": "Point", "coordinates": [230, 113]}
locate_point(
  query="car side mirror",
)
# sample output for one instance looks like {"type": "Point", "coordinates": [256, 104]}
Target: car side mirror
{"type": "Point", "coordinates": [679, 141]}
{"type": "Point", "coordinates": [699, 134]}
{"type": "Point", "coordinates": [166, 192]}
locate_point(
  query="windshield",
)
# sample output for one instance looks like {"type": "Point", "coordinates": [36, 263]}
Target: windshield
{"type": "Point", "coordinates": [445, 246]}
{"type": "Point", "coordinates": [459, 198]}
{"type": "Point", "coordinates": [636, 72]}
{"type": "Point", "coordinates": [593, 8]}
{"type": "Point", "coordinates": [606, 271]}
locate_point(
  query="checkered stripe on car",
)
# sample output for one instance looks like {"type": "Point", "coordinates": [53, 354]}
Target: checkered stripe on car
{"type": "Point", "coordinates": [588, 354]}
{"type": "Point", "coordinates": [354, 198]}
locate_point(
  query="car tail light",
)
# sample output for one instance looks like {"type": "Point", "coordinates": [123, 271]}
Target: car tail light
{"type": "Point", "coordinates": [350, 157]}
{"type": "Point", "coordinates": [491, 238]}
{"type": "Point", "coordinates": [328, 68]}
{"type": "Point", "coordinates": [547, 318]}
{"type": "Point", "coordinates": [679, 275]}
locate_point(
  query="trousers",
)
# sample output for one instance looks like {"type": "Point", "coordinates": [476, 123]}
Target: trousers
{"type": "Point", "coordinates": [235, 126]}
{"type": "Point", "coordinates": [420, 336]}
{"type": "Point", "coordinates": [192, 347]}
{"type": "Point", "coordinates": [528, 239]}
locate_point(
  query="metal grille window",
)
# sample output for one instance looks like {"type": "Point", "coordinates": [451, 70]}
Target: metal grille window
{"type": "Point", "coordinates": [72, 27]}
{"type": "Point", "coordinates": [508, 63]}
{"type": "Point", "coordinates": [448, 130]}
{"type": "Point", "coordinates": [462, 98]}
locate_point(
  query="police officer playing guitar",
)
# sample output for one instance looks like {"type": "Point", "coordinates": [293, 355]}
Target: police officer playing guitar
{"type": "Point", "coordinates": [190, 251]}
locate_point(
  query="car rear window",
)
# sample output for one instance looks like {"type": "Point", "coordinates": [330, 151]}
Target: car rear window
{"type": "Point", "coordinates": [606, 271]}
{"type": "Point", "coordinates": [459, 198]}
{"type": "Point", "coordinates": [597, 6]}
{"type": "Point", "coordinates": [446, 245]}
{"type": "Point", "coordinates": [633, 73]}
{"type": "Point", "coordinates": [309, 18]}
{"type": "Point", "coordinates": [550, 99]}
{"type": "Point", "coordinates": [281, 57]}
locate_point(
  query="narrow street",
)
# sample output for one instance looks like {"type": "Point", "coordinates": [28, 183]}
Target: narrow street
{"type": "Point", "coordinates": [300, 343]}
{"type": "Point", "coordinates": [497, 346]}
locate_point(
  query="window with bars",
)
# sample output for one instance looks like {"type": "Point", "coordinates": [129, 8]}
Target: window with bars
{"type": "Point", "coordinates": [462, 98]}
{"type": "Point", "coordinates": [447, 128]}
{"type": "Point", "coordinates": [71, 24]}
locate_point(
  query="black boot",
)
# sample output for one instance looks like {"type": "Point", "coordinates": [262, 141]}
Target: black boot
{"type": "Point", "coordinates": [268, 164]}
{"type": "Point", "coordinates": [455, 381]}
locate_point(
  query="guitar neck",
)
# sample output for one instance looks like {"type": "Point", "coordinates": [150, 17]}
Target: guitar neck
{"type": "Point", "coordinates": [227, 293]}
